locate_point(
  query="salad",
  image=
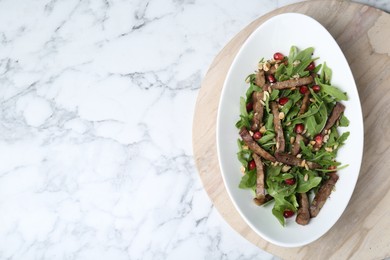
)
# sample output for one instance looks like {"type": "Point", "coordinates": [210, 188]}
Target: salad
{"type": "Point", "coordinates": [288, 125]}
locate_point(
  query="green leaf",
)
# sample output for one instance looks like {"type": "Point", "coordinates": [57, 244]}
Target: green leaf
{"type": "Point", "coordinates": [332, 91]}
{"type": "Point", "coordinates": [343, 138]}
{"type": "Point", "coordinates": [293, 53]}
{"type": "Point", "coordinates": [274, 94]}
{"type": "Point", "coordinates": [248, 181]}
{"type": "Point", "coordinates": [244, 116]}
{"type": "Point", "coordinates": [253, 87]}
{"type": "Point", "coordinates": [316, 122]}
{"type": "Point", "coordinates": [326, 74]}
{"type": "Point", "coordinates": [312, 181]}
{"type": "Point", "coordinates": [344, 121]}
{"type": "Point", "coordinates": [266, 138]}
{"type": "Point", "coordinates": [269, 125]}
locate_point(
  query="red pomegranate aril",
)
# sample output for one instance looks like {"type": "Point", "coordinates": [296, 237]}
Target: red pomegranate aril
{"type": "Point", "coordinates": [249, 106]}
{"type": "Point", "coordinates": [290, 181]}
{"type": "Point", "coordinates": [288, 213]}
{"type": "Point", "coordinates": [303, 89]}
{"type": "Point", "coordinates": [251, 165]}
{"type": "Point", "coordinates": [299, 128]}
{"type": "Point", "coordinates": [257, 135]}
{"type": "Point", "coordinates": [278, 56]}
{"type": "Point", "coordinates": [283, 100]}
{"type": "Point", "coordinates": [271, 78]}
{"type": "Point", "coordinates": [316, 88]}
{"type": "Point", "coordinates": [318, 139]}
{"type": "Point", "coordinates": [311, 66]}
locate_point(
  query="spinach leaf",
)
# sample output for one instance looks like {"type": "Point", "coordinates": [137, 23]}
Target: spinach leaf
{"type": "Point", "coordinates": [344, 121]}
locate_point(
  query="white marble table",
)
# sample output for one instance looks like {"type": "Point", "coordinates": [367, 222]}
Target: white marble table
{"type": "Point", "coordinates": [97, 100]}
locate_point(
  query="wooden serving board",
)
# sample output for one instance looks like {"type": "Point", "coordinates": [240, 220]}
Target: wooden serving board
{"type": "Point", "coordinates": [363, 231]}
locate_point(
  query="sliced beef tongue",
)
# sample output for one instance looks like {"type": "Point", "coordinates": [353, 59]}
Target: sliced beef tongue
{"type": "Point", "coordinates": [336, 113]}
{"type": "Point", "coordinates": [260, 78]}
{"type": "Point", "coordinates": [305, 103]}
{"type": "Point", "coordinates": [297, 144]}
{"type": "Point", "coordinates": [323, 194]}
{"type": "Point", "coordinates": [303, 215]}
{"type": "Point", "coordinates": [291, 83]}
{"type": "Point", "coordinates": [280, 142]}
{"type": "Point", "coordinates": [258, 110]}
{"type": "Point", "coordinates": [334, 116]}
{"type": "Point", "coordinates": [294, 161]}
{"type": "Point", "coordinates": [261, 197]}
{"type": "Point", "coordinates": [253, 145]}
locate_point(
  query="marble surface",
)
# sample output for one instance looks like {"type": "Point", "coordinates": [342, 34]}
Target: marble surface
{"type": "Point", "coordinates": [97, 99]}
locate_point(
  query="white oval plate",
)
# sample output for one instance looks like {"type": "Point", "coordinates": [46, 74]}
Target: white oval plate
{"type": "Point", "coordinates": [278, 34]}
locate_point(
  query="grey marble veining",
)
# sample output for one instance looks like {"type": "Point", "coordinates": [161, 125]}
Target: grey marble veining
{"type": "Point", "coordinates": [97, 99]}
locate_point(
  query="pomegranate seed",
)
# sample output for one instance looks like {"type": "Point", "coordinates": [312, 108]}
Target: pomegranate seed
{"type": "Point", "coordinates": [311, 66]}
{"type": "Point", "coordinates": [303, 90]}
{"type": "Point", "coordinates": [283, 100]}
{"type": "Point", "coordinates": [249, 106]}
{"type": "Point", "coordinates": [318, 139]}
{"type": "Point", "coordinates": [316, 88]}
{"type": "Point", "coordinates": [290, 181]}
{"type": "Point", "coordinates": [299, 128]}
{"type": "Point", "coordinates": [288, 213]}
{"type": "Point", "coordinates": [251, 165]}
{"type": "Point", "coordinates": [257, 135]}
{"type": "Point", "coordinates": [271, 78]}
{"type": "Point", "coordinates": [278, 56]}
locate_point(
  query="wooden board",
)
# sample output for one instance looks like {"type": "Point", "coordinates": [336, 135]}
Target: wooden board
{"type": "Point", "coordinates": [363, 231]}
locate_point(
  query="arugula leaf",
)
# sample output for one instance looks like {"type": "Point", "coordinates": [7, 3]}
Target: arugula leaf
{"type": "Point", "coordinates": [266, 138]}
{"type": "Point", "coordinates": [316, 122]}
{"type": "Point", "coordinates": [332, 91]}
{"type": "Point", "coordinates": [344, 121]}
{"type": "Point", "coordinates": [326, 74]}
{"type": "Point", "coordinates": [244, 116]}
{"type": "Point", "coordinates": [312, 181]}
{"type": "Point", "coordinates": [343, 138]}
{"type": "Point", "coordinates": [248, 181]}
{"type": "Point", "coordinates": [252, 87]}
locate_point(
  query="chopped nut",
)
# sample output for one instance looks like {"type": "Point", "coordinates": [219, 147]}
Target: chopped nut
{"type": "Point", "coordinates": [335, 146]}
{"type": "Point", "coordinates": [296, 63]}
{"type": "Point", "coordinates": [272, 62]}
{"type": "Point", "coordinates": [288, 123]}
{"type": "Point", "coordinates": [293, 88]}
{"type": "Point", "coordinates": [281, 115]}
{"type": "Point", "coordinates": [260, 65]}
{"type": "Point", "coordinates": [263, 130]}
{"type": "Point", "coordinates": [247, 80]}
{"type": "Point", "coordinates": [306, 177]}
{"type": "Point", "coordinates": [286, 168]}
{"type": "Point", "coordinates": [306, 166]}
{"type": "Point", "coordinates": [296, 76]}
{"type": "Point", "coordinates": [242, 169]}
{"type": "Point", "coordinates": [251, 133]}
{"type": "Point", "coordinates": [266, 66]}
{"type": "Point", "coordinates": [277, 65]}
{"type": "Point", "coordinates": [299, 155]}
{"type": "Point", "coordinates": [312, 100]}
{"type": "Point", "coordinates": [265, 96]}
{"type": "Point", "coordinates": [312, 142]}
{"type": "Point", "coordinates": [292, 139]}
{"type": "Point", "coordinates": [303, 163]}
{"type": "Point", "coordinates": [328, 149]}
{"type": "Point", "coordinates": [326, 138]}
{"type": "Point", "coordinates": [304, 131]}
{"type": "Point", "coordinates": [244, 147]}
